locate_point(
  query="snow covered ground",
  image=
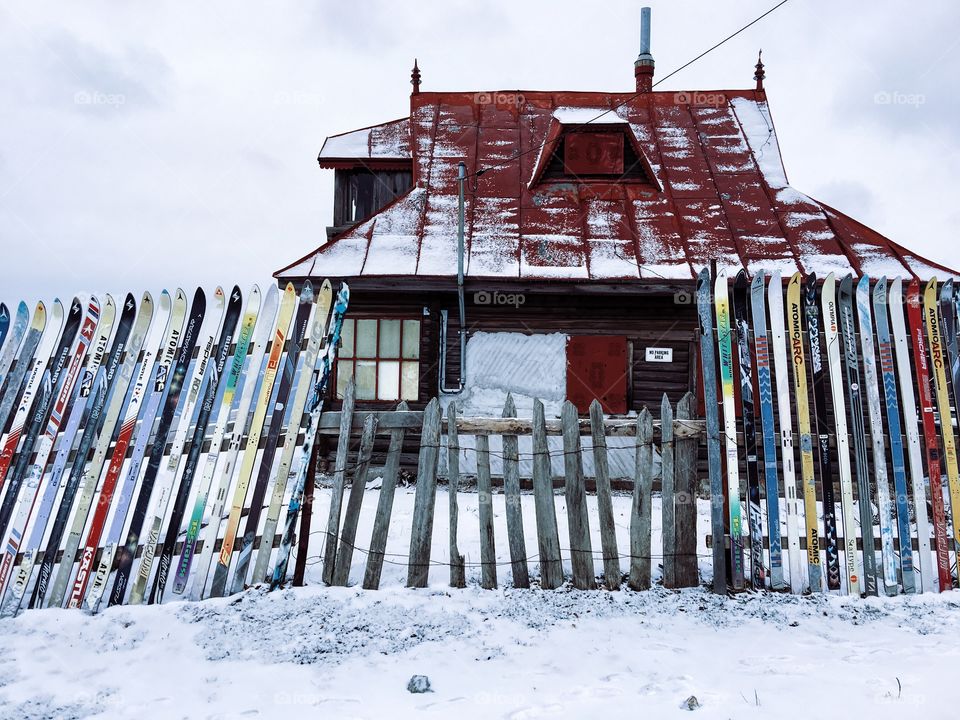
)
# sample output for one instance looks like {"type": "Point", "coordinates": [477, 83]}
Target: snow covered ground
{"type": "Point", "coordinates": [517, 654]}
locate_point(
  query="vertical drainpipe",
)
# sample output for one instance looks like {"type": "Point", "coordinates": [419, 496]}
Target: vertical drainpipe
{"type": "Point", "coordinates": [461, 180]}
{"type": "Point", "coordinates": [444, 315]}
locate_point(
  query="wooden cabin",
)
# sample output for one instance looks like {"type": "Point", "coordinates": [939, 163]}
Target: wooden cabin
{"type": "Point", "coordinates": [586, 217]}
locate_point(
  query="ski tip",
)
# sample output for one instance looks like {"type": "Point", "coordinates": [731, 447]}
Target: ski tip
{"type": "Point", "coordinates": [846, 284]}
{"type": "Point", "coordinates": [758, 280]}
{"type": "Point", "coordinates": [146, 298]}
{"type": "Point", "coordinates": [880, 289]}
{"type": "Point", "coordinates": [306, 292]}
{"type": "Point", "coordinates": [864, 285]}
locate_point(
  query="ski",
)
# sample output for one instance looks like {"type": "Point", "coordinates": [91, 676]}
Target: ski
{"type": "Point", "coordinates": [757, 571]}
{"type": "Point", "coordinates": [160, 377]}
{"type": "Point", "coordinates": [88, 333]}
{"type": "Point", "coordinates": [294, 342]}
{"type": "Point", "coordinates": [297, 407]}
{"type": "Point", "coordinates": [19, 330]}
{"type": "Point", "coordinates": [4, 323]}
{"type": "Point", "coordinates": [851, 365]}
{"type": "Point", "coordinates": [104, 418]}
{"type": "Point", "coordinates": [219, 584]}
{"type": "Point", "coordinates": [326, 364]}
{"type": "Point", "coordinates": [708, 366]}
{"type": "Point", "coordinates": [87, 390]}
{"type": "Point", "coordinates": [791, 505]}
{"type": "Point", "coordinates": [96, 331]}
{"type": "Point", "coordinates": [327, 360]}
{"type": "Point", "coordinates": [942, 544]}
{"type": "Point", "coordinates": [872, 380]}
{"type": "Point", "coordinates": [761, 346]}
{"type": "Point", "coordinates": [224, 345]}
{"type": "Point", "coordinates": [264, 329]}
{"type": "Point", "coordinates": [799, 365]}
{"type": "Point", "coordinates": [42, 405]}
{"type": "Point", "coordinates": [128, 551]}
{"type": "Point", "coordinates": [247, 325]}
{"type": "Point", "coordinates": [824, 458]}
{"type": "Point", "coordinates": [124, 434]}
{"type": "Point", "coordinates": [907, 398]}
{"type": "Point", "coordinates": [36, 382]}
{"type": "Point", "coordinates": [932, 315]}
{"type": "Point", "coordinates": [25, 361]}
{"type": "Point", "coordinates": [91, 390]}
{"type": "Point", "coordinates": [721, 300]}
{"type": "Point", "coordinates": [892, 403]}
{"type": "Point", "coordinates": [180, 427]}
{"type": "Point", "coordinates": [831, 327]}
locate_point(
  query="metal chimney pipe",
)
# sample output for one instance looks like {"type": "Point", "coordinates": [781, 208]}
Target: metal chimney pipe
{"type": "Point", "coordinates": [644, 31]}
{"type": "Point", "coordinates": [643, 67]}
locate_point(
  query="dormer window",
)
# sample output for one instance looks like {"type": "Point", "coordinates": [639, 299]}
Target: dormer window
{"type": "Point", "coordinates": [586, 152]}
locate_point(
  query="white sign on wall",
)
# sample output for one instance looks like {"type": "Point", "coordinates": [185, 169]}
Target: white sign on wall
{"type": "Point", "coordinates": [659, 355]}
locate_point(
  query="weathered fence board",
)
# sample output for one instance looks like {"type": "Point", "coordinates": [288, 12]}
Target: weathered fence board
{"type": "Point", "coordinates": [488, 553]}
{"type": "Point", "coordinates": [381, 523]}
{"type": "Point", "coordinates": [458, 574]}
{"type": "Point", "coordinates": [425, 498]}
{"type": "Point", "coordinates": [339, 479]}
{"type": "Point", "coordinates": [581, 549]}
{"type": "Point", "coordinates": [669, 526]}
{"type": "Point", "coordinates": [686, 573]}
{"type": "Point", "coordinates": [608, 530]}
{"type": "Point", "coordinates": [642, 496]}
{"type": "Point", "coordinates": [348, 536]}
{"type": "Point", "coordinates": [548, 538]}
{"type": "Point", "coordinates": [511, 490]}
{"type": "Point", "coordinates": [412, 420]}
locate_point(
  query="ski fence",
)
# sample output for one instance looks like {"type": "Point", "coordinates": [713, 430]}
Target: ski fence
{"type": "Point", "coordinates": [166, 448]}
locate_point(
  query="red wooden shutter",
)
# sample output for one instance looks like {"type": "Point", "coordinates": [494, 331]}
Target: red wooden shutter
{"type": "Point", "coordinates": [597, 369]}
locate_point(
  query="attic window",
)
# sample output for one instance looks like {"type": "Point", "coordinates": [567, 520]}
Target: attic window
{"type": "Point", "coordinates": [593, 153]}
{"type": "Point", "coordinates": [606, 154]}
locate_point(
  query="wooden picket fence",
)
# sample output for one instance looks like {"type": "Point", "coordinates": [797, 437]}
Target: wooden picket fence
{"type": "Point", "coordinates": [675, 435]}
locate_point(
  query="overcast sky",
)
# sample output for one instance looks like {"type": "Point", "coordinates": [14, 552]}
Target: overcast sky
{"type": "Point", "coordinates": [145, 146]}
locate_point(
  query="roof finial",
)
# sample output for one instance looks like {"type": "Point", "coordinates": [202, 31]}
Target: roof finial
{"type": "Point", "coordinates": [759, 75]}
{"type": "Point", "coordinates": [415, 78]}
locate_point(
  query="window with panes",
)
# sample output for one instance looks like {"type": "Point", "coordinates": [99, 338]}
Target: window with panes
{"type": "Point", "coordinates": [384, 357]}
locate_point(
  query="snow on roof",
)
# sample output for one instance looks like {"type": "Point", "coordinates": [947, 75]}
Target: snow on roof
{"type": "Point", "coordinates": [721, 194]}
{"type": "Point", "coordinates": [389, 141]}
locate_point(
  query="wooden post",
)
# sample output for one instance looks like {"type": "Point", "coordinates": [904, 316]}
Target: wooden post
{"type": "Point", "coordinates": [381, 523]}
{"type": "Point", "coordinates": [581, 549]}
{"type": "Point", "coordinates": [685, 568]}
{"type": "Point", "coordinates": [608, 528]}
{"type": "Point", "coordinates": [642, 495]}
{"type": "Point", "coordinates": [667, 494]}
{"type": "Point", "coordinates": [458, 573]}
{"type": "Point", "coordinates": [548, 538]}
{"type": "Point", "coordinates": [511, 491]}
{"type": "Point", "coordinates": [306, 518]}
{"type": "Point", "coordinates": [418, 569]}
{"type": "Point", "coordinates": [488, 552]}
{"type": "Point", "coordinates": [348, 537]}
{"type": "Point", "coordinates": [339, 478]}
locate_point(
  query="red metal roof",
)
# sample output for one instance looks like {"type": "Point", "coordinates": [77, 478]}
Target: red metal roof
{"type": "Point", "coordinates": [720, 193]}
